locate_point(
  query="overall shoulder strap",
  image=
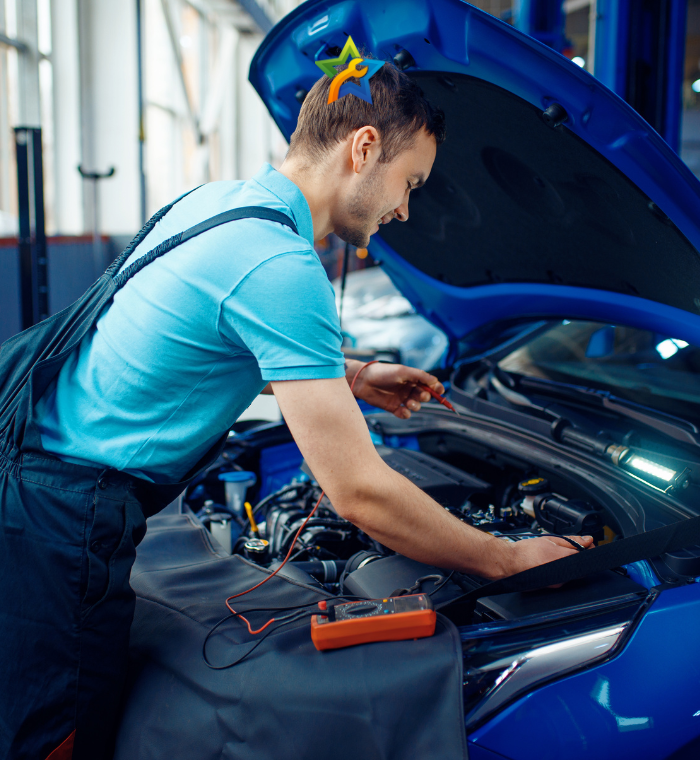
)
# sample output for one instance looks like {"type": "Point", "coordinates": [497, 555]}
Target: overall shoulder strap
{"type": "Point", "coordinates": [245, 212]}
{"type": "Point", "coordinates": [117, 264]}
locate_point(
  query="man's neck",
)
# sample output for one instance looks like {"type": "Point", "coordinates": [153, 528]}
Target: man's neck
{"type": "Point", "coordinates": [317, 193]}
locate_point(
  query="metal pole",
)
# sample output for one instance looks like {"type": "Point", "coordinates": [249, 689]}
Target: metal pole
{"type": "Point", "coordinates": [34, 291]}
{"type": "Point", "coordinates": [26, 280]}
{"type": "Point", "coordinates": [96, 247]}
{"type": "Point", "coordinates": [95, 177]}
{"type": "Point", "coordinates": [343, 278]}
{"type": "Point", "coordinates": [41, 305]}
{"type": "Point", "coordinates": [544, 20]}
{"type": "Point", "coordinates": [640, 55]}
{"type": "Point", "coordinates": [142, 129]}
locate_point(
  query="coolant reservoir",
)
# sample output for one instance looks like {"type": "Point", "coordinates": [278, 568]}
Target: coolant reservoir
{"type": "Point", "coordinates": [528, 489]}
{"type": "Point", "coordinates": [236, 484]}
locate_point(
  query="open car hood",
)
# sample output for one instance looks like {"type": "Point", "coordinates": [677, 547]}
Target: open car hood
{"type": "Point", "coordinates": [522, 216]}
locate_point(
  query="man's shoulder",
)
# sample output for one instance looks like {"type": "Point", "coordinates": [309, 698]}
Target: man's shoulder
{"type": "Point", "coordinates": [217, 197]}
{"type": "Point", "coordinates": [230, 250]}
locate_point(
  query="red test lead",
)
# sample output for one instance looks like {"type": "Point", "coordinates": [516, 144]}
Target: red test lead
{"type": "Point", "coordinates": [440, 399]}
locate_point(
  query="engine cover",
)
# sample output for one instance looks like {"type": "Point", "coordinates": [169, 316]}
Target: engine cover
{"type": "Point", "coordinates": [446, 484]}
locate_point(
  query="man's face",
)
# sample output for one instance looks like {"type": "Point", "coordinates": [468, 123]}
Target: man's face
{"type": "Point", "coordinates": [382, 193]}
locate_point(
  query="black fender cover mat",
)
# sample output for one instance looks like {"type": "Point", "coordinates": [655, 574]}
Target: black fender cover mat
{"type": "Point", "coordinates": [286, 701]}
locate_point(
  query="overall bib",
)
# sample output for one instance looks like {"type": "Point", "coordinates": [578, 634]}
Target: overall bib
{"type": "Point", "coordinates": [68, 535]}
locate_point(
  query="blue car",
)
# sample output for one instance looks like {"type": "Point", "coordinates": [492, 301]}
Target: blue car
{"type": "Point", "coordinates": [556, 245]}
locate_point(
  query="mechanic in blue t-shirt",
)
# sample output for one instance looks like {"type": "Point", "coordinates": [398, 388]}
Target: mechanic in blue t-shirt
{"type": "Point", "coordinates": [195, 336]}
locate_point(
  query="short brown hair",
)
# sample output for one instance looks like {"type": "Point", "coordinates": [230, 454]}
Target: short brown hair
{"type": "Point", "coordinates": [399, 110]}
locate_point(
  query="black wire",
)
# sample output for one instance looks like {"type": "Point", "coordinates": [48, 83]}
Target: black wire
{"type": "Point", "coordinates": [282, 621]}
{"type": "Point", "coordinates": [442, 583]}
{"type": "Point", "coordinates": [416, 588]}
{"type": "Point", "coordinates": [575, 544]}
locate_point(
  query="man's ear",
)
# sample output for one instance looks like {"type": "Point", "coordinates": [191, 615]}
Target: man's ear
{"type": "Point", "coordinates": [365, 149]}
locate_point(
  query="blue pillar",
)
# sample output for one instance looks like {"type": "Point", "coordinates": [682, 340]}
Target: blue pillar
{"type": "Point", "coordinates": [542, 19]}
{"type": "Point", "coordinates": [640, 54]}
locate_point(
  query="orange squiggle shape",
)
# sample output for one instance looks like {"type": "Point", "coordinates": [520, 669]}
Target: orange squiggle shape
{"type": "Point", "coordinates": [338, 79]}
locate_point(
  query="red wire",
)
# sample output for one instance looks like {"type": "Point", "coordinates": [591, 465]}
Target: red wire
{"type": "Point", "coordinates": [272, 575]}
{"type": "Point", "coordinates": [291, 548]}
{"type": "Point", "coordinates": [435, 395]}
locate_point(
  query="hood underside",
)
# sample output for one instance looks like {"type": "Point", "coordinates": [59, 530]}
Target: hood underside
{"type": "Point", "coordinates": [594, 217]}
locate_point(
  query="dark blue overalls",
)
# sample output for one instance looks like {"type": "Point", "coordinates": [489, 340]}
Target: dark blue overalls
{"type": "Point", "coordinates": [68, 536]}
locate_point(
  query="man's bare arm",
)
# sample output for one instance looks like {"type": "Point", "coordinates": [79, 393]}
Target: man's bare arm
{"type": "Point", "coordinates": [333, 437]}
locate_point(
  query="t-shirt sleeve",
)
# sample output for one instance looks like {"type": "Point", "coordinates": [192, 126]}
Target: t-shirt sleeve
{"type": "Point", "coordinates": [284, 313]}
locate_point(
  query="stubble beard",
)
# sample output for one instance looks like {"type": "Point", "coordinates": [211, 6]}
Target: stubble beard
{"type": "Point", "coordinates": [362, 210]}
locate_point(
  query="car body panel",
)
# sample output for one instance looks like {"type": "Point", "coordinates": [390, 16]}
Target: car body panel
{"type": "Point", "coordinates": [616, 709]}
{"type": "Point", "coordinates": [458, 311]}
{"type": "Point", "coordinates": [454, 37]}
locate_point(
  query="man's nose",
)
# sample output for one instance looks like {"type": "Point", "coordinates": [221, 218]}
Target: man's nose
{"type": "Point", "coordinates": [401, 213]}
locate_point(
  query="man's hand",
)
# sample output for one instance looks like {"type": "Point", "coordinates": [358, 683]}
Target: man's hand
{"type": "Point", "coordinates": [392, 387]}
{"type": "Point", "coordinates": [538, 551]}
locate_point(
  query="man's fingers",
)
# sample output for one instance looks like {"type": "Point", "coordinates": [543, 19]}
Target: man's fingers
{"type": "Point", "coordinates": [585, 541]}
{"type": "Point", "coordinates": [419, 395]}
{"type": "Point", "coordinates": [419, 392]}
{"type": "Point", "coordinates": [414, 375]}
{"type": "Point", "coordinates": [402, 413]}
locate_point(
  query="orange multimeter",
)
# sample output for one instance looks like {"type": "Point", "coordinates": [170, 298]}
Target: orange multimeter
{"type": "Point", "coordinates": [392, 619]}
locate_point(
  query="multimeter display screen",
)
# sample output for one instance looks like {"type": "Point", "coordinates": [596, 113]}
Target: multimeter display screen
{"type": "Point", "coordinates": [410, 603]}
{"type": "Point", "coordinates": [376, 607]}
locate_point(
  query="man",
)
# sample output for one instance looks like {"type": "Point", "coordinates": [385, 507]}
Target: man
{"type": "Point", "coordinates": [162, 370]}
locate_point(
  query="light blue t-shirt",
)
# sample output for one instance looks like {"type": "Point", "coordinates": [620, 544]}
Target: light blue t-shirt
{"type": "Point", "coordinates": [192, 339]}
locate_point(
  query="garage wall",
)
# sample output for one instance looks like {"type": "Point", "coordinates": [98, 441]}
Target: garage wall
{"type": "Point", "coordinates": [71, 271]}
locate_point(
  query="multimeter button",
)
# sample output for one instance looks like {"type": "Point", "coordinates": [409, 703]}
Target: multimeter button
{"type": "Point", "coordinates": [360, 609]}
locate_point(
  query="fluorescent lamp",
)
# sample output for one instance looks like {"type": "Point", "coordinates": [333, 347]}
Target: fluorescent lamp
{"type": "Point", "coordinates": [651, 468]}
{"type": "Point", "coordinates": [667, 348]}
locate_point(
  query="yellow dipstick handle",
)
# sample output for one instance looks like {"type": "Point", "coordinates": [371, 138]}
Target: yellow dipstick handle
{"type": "Point", "coordinates": [249, 512]}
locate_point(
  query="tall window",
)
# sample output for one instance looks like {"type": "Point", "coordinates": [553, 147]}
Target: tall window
{"type": "Point", "coordinates": [204, 122]}
{"type": "Point", "coordinates": [9, 107]}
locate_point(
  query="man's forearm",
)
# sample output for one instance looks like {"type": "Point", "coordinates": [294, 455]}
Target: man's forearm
{"type": "Point", "coordinates": [332, 434]}
{"type": "Point", "coordinates": [400, 516]}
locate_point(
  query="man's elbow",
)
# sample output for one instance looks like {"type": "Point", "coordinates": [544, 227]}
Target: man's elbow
{"type": "Point", "coordinates": [349, 507]}
{"type": "Point", "coordinates": [358, 502]}
{"type": "Point", "coordinates": [361, 490]}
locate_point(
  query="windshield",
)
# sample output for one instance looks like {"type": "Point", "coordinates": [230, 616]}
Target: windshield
{"type": "Point", "coordinates": [637, 365]}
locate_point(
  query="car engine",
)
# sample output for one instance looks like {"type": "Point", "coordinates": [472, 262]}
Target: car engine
{"type": "Point", "coordinates": [506, 500]}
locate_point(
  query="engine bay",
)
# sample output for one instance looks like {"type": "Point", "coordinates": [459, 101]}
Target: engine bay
{"type": "Point", "coordinates": [495, 493]}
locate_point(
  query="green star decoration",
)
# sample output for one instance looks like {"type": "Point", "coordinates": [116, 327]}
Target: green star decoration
{"type": "Point", "coordinates": [349, 51]}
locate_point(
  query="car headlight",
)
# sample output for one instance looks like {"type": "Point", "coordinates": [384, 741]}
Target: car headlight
{"type": "Point", "coordinates": [499, 669]}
